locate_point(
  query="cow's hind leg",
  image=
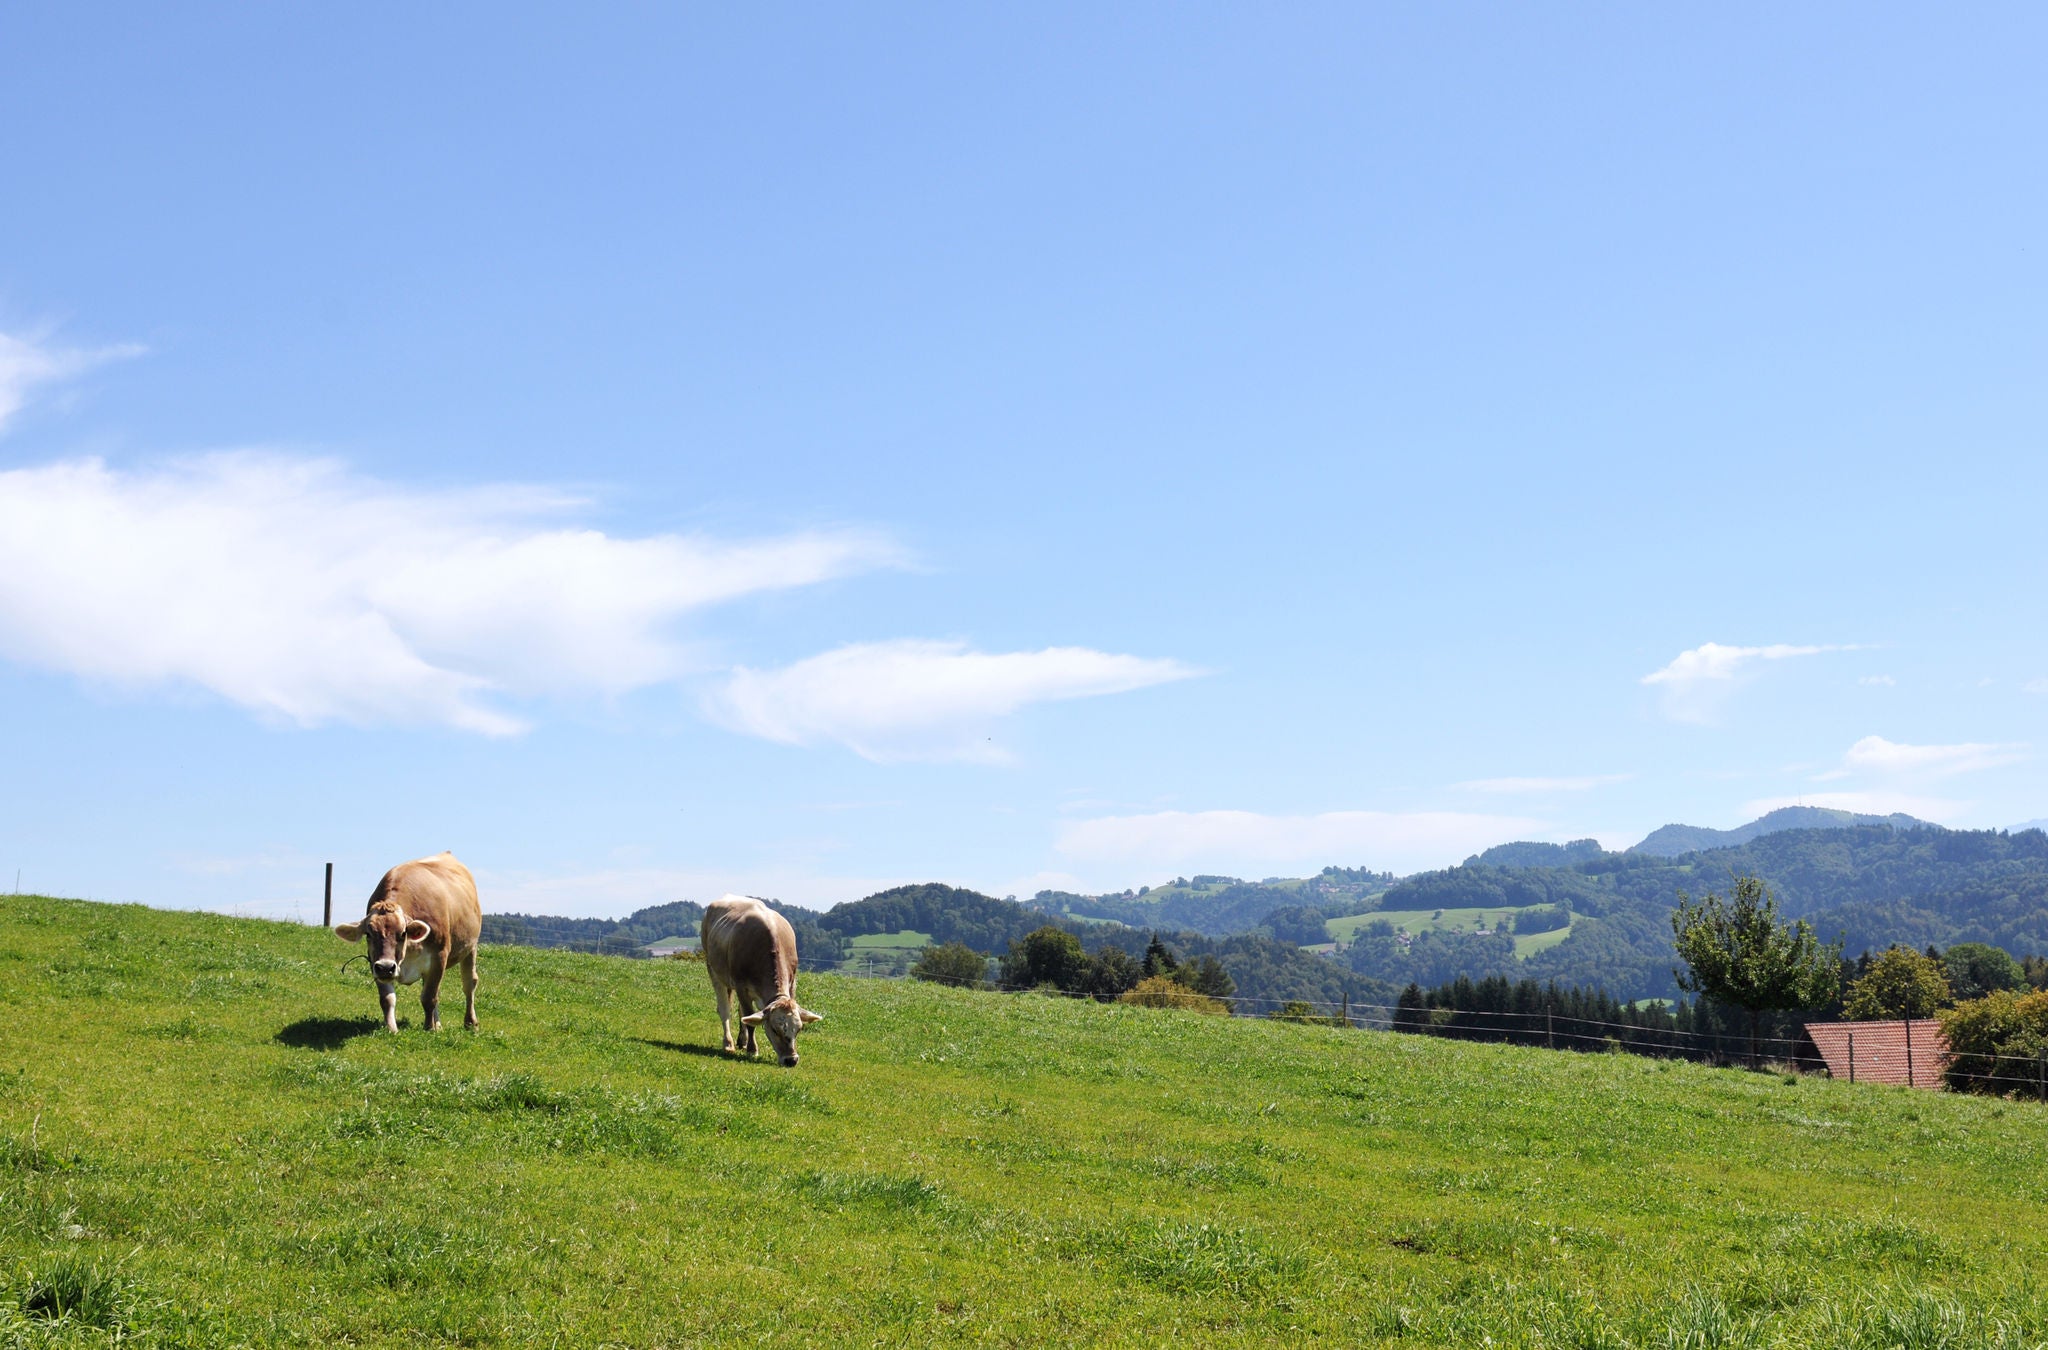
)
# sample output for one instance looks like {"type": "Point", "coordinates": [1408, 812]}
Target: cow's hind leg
{"type": "Point", "coordinates": [430, 994]}
{"type": "Point", "coordinates": [469, 989]}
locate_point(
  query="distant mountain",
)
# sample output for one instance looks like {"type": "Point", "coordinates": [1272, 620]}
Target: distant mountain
{"type": "Point", "coordinates": [1542, 855]}
{"type": "Point", "coordinates": [1672, 841]}
{"type": "Point", "coordinates": [2041, 825]}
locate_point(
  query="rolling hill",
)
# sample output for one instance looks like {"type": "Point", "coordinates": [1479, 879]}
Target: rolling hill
{"type": "Point", "coordinates": [204, 1141]}
{"type": "Point", "coordinates": [1672, 841]}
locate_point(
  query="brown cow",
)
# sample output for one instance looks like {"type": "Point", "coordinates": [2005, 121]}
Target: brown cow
{"type": "Point", "coordinates": [422, 918]}
{"type": "Point", "coordinates": [750, 950]}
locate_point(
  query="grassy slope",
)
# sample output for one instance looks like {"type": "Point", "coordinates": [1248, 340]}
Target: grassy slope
{"type": "Point", "coordinates": [945, 1167]}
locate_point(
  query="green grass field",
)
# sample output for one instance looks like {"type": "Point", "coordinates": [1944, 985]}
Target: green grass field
{"type": "Point", "coordinates": [907, 940]}
{"type": "Point", "coordinates": [203, 1141]}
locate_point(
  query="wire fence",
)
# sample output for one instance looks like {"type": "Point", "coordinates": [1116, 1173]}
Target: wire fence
{"type": "Point", "coordinates": [2010, 1075]}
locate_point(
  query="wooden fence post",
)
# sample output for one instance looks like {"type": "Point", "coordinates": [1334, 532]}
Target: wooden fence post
{"type": "Point", "coordinates": [2041, 1074]}
{"type": "Point", "coordinates": [1852, 1056]}
{"type": "Point", "coordinates": [1347, 1009]}
{"type": "Point", "coordinates": [1909, 1054]}
{"type": "Point", "coordinates": [327, 906]}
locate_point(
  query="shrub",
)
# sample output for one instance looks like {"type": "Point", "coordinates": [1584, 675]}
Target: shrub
{"type": "Point", "coordinates": [1994, 1042]}
{"type": "Point", "coordinates": [953, 963]}
{"type": "Point", "coordinates": [1156, 991]}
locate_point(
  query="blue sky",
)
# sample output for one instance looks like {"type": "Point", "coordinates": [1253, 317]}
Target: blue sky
{"type": "Point", "coordinates": [671, 451]}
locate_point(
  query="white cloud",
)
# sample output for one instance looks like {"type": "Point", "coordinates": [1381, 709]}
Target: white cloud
{"type": "Point", "coordinates": [912, 699]}
{"type": "Point", "coordinates": [309, 595]}
{"type": "Point", "coordinates": [1936, 809]}
{"type": "Point", "coordinates": [1530, 786]}
{"type": "Point", "coordinates": [1875, 754]}
{"type": "Point", "coordinates": [2035, 687]}
{"type": "Point", "coordinates": [26, 363]}
{"type": "Point", "coordinates": [1877, 681]}
{"type": "Point", "coordinates": [1697, 680]}
{"type": "Point", "coordinates": [1260, 844]}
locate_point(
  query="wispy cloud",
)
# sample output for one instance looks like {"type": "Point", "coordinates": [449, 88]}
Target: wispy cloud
{"type": "Point", "coordinates": [1877, 681]}
{"type": "Point", "coordinates": [1697, 680]}
{"type": "Point", "coordinates": [1399, 841]}
{"type": "Point", "coordinates": [1875, 754]}
{"type": "Point", "coordinates": [26, 363]}
{"type": "Point", "coordinates": [913, 699]}
{"type": "Point", "coordinates": [1534, 786]}
{"type": "Point", "coordinates": [307, 594]}
{"type": "Point", "coordinates": [2035, 687]}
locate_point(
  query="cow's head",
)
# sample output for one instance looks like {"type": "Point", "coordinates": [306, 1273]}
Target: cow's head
{"type": "Point", "coordinates": [387, 932]}
{"type": "Point", "coordinates": [782, 1020]}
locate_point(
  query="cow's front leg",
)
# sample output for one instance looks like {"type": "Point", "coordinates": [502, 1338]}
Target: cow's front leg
{"type": "Point", "coordinates": [387, 998]}
{"type": "Point", "coordinates": [746, 1032]}
{"type": "Point", "coordinates": [725, 1017]}
{"type": "Point", "coordinates": [430, 993]}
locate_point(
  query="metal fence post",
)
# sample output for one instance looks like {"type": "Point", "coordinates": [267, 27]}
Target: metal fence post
{"type": "Point", "coordinates": [1852, 1056]}
{"type": "Point", "coordinates": [1909, 1054]}
{"type": "Point", "coordinates": [1549, 1032]}
{"type": "Point", "coordinates": [2041, 1074]}
{"type": "Point", "coordinates": [327, 906]}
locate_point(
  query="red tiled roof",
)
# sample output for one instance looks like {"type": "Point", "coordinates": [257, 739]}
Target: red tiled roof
{"type": "Point", "coordinates": [1881, 1050]}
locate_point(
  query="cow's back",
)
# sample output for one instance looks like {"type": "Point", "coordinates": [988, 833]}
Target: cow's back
{"type": "Point", "coordinates": [748, 945]}
{"type": "Point", "coordinates": [441, 891]}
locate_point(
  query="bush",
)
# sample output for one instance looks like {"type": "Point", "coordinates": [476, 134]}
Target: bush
{"type": "Point", "coordinates": [953, 963]}
{"type": "Point", "coordinates": [1994, 1042]}
{"type": "Point", "coordinates": [1156, 991]}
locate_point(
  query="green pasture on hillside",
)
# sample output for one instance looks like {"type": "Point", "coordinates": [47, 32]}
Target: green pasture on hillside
{"type": "Point", "coordinates": [906, 940]}
{"type": "Point", "coordinates": [204, 1140]}
{"type": "Point", "coordinates": [1345, 930]}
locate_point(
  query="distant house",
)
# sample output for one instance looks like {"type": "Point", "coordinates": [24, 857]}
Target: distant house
{"type": "Point", "coordinates": [670, 946]}
{"type": "Point", "coordinates": [1905, 1054]}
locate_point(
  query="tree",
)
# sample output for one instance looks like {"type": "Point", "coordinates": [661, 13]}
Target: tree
{"type": "Point", "coordinates": [953, 963]}
{"type": "Point", "coordinates": [1046, 955]}
{"type": "Point", "coordinates": [1111, 973]}
{"type": "Point", "coordinates": [1977, 968]}
{"type": "Point", "coordinates": [1159, 958]}
{"type": "Point", "coordinates": [1739, 952]}
{"type": "Point", "coordinates": [1206, 976]}
{"type": "Point", "coordinates": [1900, 983]}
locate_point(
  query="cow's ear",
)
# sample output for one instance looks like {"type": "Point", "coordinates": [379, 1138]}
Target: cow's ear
{"type": "Point", "coordinates": [753, 1019]}
{"type": "Point", "coordinates": [417, 931]}
{"type": "Point", "coordinates": [808, 1017]}
{"type": "Point", "coordinates": [348, 932]}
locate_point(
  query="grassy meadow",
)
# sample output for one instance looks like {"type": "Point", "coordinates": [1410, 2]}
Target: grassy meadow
{"type": "Point", "coordinates": [204, 1140]}
{"type": "Point", "coordinates": [1345, 930]}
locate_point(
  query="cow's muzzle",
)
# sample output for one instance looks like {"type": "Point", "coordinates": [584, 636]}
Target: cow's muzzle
{"type": "Point", "coordinates": [385, 970]}
{"type": "Point", "coordinates": [789, 1061]}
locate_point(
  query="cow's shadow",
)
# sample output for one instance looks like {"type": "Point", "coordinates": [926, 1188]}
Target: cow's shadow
{"type": "Point", "coordinates": [327, 1033]}
{"type": "Point", "coordinates": [682, 1048]}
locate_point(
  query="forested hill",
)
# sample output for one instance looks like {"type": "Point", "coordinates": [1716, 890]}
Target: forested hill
{"type": "Point", "coordinates": [1869, 885]}
{"type": "Point", "coordinates": [1219, 906]}
{"type": "Point", "coordinates": [1673, 841]}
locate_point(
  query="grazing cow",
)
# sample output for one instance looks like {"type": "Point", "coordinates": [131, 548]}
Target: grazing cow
{"type": "Point", "coordinates": [423, 918]}
{"type": "Point", "coordinates": [750, 951]}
